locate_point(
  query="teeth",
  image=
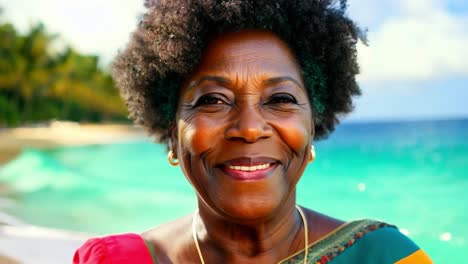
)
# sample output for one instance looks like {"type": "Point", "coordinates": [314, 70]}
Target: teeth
{"type": "Point", "coordinates": [250, 168]}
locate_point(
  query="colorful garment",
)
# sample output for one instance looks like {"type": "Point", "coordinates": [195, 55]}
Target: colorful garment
{"type": "Point", "coordinates": [117, 249]}
{"type": "Point", "coordinates": [362, 242]}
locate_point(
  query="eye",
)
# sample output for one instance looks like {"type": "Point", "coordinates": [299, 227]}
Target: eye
{"type": "Point", "coordinates": [210, 99]}
{"type": "Point", "coordinates": [282, 98]}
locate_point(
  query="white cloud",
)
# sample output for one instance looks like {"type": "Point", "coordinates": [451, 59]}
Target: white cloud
{"type": "Point", "coordinates": [371, 13]}
{"type": "Point", "coordinates": [423, 42]}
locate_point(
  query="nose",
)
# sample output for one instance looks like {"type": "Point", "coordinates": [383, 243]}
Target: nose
{"type": "Point", "coordinates": [248, 125]}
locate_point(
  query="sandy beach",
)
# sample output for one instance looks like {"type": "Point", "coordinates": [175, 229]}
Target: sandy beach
{"type": "Point", "coordinates": [56, 134]}
{"type": "Point", "coordinates": [27, 244]}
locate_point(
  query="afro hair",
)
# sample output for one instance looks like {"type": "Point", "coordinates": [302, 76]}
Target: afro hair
{"type": "Point", "coordinates": [170, 38]}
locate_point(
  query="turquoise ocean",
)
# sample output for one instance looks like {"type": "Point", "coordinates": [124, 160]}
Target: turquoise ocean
{"type": "Point", "coordinates": [411, 174]}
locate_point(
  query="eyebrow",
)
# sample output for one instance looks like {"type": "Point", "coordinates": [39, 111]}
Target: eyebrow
{"type": "Point", "coordinates": [225, 81]}
{"type": "Point", "coordinates": [217, 79]}
{"type": "Point", "coordinates": [281, 79]}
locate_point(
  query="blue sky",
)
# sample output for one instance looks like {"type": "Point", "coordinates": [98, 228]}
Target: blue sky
{"type": "Point", "coordinates": [415, 67]}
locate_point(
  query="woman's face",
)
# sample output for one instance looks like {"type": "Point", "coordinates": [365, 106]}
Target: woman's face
{"type": "Point", "coordinates": [245, 125]}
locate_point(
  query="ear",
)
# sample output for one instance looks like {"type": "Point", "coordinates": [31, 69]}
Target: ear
{"type": "Point", "coordinates": [312, 128]}
{"type": "Point", "coordinates": [173, 138]}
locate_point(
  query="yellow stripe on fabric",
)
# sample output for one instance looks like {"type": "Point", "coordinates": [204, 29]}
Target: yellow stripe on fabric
{"type": "Point", "coordinates": [418, 257]}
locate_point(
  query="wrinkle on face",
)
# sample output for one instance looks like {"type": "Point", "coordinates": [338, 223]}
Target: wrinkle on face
{"type": "Point", "coordinates": [246, 72]}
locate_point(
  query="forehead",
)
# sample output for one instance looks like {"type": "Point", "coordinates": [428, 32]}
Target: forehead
{"type": "Point", "coordinates": [250, 48]}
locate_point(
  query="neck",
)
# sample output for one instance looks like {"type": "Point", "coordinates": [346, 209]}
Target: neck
{"type": "Point", "coordinates": [268, 241]}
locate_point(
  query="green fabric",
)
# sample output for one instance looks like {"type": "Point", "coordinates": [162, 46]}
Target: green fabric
{"type": "Point", "coordinates": [385, 245]}
{"type": "Point", "coordinates": [364, 242]}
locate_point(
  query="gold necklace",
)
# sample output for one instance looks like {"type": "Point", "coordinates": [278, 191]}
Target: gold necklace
{"type": "Point", "coordinates": [304, 220]}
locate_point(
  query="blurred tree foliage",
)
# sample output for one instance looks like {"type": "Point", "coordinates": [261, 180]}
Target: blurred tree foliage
{"type": "Point", "coordinates": [37, 84]}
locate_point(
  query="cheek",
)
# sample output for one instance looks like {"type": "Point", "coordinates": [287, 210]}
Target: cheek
{"type": "Point", "coordinates": [197, 136]}
{"type": "Point", "coordinates": [295, 132]}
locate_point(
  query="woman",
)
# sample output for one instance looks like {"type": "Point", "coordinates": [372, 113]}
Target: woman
{"type": "Point", "coordinates": [239, 90]}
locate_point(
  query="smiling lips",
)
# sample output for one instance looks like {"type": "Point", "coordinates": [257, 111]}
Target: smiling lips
{"type": "Point", "coordinates": [249, 168]}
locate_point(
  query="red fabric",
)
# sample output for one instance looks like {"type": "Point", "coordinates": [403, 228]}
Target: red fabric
{"type": "Point", "coordinates": [117, 249]}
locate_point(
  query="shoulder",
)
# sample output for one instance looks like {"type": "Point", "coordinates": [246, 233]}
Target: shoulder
{"type": "Point", "coordinates": [372, 241]}
{"type": "Point", "coordinates": [167, 243]}
{"type": "Point", "coordinates": [172, 241]}
{"type": "Point", "coordinates": [362, 241]}
{"type": "Point", "coordinates": [114, 249]}
{"type": "Point", "coordinates": [322, 225]}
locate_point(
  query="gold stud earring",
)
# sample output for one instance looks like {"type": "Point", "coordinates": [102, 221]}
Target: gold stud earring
{"type": "Point", "coordinates": [171, 158]}
{"type": "Point", "coordinates": [312, 153]}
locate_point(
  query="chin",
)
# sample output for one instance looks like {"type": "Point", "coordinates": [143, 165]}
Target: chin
{"type": "Point", "coordinates": [248, 209]}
